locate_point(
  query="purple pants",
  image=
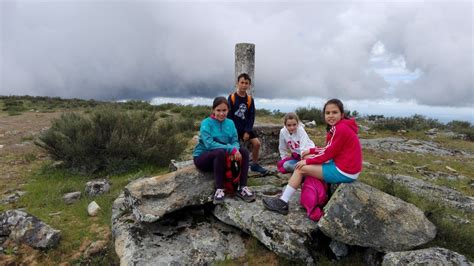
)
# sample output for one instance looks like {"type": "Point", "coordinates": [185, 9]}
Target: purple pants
{"type": "Point", "coordinates": [214, 161]}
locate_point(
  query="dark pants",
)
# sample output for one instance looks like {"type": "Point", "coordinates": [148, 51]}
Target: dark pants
{"type": "Point", "coordinates": [214, 161]}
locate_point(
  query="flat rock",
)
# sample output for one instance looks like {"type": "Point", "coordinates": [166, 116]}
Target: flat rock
{"type": "Point", "coordinates": [447, 196]}
{"type": "Point", "coordinates": [188, 237]}
{"type": "Point", "coordinates": [22, 227]}
{"type": "Point", "coordinates": [70, 198]}
{"type": "Point", "coordinates": [428, 256]}
{"type": "Point", "coordinates": [358, 214]}
{"type": "Point", "coordinates": [392, 144]}
{"type": "Point", "coordinates": [152, 197]}
{"type": "Point", "coordinates": [288, 236]}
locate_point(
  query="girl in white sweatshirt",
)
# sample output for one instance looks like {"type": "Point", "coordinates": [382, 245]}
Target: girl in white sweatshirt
{"type": "Point", "coordinates": [293, 141]}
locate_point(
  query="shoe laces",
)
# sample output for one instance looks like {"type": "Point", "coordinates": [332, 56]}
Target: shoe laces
{"type": "Point", "coordinates": [219, 193]}
{"type": "Point", "coordinates": [246, 191]}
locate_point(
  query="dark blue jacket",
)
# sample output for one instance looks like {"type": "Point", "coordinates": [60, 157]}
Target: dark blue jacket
{"type": "Point", "coordinates": [241, 114]}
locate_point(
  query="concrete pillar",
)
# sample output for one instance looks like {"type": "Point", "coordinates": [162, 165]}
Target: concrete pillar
{"type": "Point", "coordinates": [245, 62]}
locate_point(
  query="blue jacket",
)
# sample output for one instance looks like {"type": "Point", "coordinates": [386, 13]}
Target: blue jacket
{"type": "Point", "coordinates": [214, 134]}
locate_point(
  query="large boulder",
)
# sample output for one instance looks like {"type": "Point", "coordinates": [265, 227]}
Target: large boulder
{"type": "Point", "coordinates": [288, 236]}
{"type": "Point", "coordinates": [428, 256]}
{"type": "Point", "coordinates": [358, 214]}
{"type": "Point", "coordinates": [151, 198]}
{"type": "Point", "coordinates": [186, 237]}
{"type": "Point", "coordinates": [22, 227]}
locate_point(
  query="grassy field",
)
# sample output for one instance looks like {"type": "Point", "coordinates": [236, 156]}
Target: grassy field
{"type": "Point", "coordinates": [25, 167]}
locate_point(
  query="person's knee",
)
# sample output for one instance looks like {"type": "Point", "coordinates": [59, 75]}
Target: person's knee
{"type": "Point", "coordinates": [244, 152]}
{"type": "Point", "coordinates": [289, 167]}
{"type": "Point", "coordinates": [220, 153]}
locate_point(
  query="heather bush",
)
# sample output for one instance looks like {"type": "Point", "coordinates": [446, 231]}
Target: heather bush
{"type": "Point", "coordinates": [114, 140]}
{"type": "Point", "coordinates": [311, 114]}
{"type": "Point", "coordinates": [415, 122]}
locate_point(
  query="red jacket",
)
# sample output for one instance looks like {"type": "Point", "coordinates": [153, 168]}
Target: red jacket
{"type": "Point", "coordinates": [342, 146]}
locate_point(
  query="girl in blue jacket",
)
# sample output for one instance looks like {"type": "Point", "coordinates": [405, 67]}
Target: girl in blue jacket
{"type": "Point", "coordinates": [218, 138]}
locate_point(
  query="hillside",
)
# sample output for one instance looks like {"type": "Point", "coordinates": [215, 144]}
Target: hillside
{"type": "Point", "coordinates": [30, 179]}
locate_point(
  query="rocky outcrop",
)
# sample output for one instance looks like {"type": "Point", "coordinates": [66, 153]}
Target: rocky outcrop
{"type": "Point", "coordinates": [358, 214]}
{"type": "Point", "coordinates": [288, 236]}
{"type": "Point", "coordinates": [151, 198]}
{"type": "Point", "coordinates": [22, 227]}
{"type": "Point", "coordinates": [186, 237]}
{"type": "Point", "coordinates": [269, 136]}
{"type": "Point", "coordinates": [447, 196]}
{"type": "Point", "coordinates": [392, 144]}
{"type": "Point", "coordinates": [153, 216]}
{"type": "Point", "coordinates": [428, 256]}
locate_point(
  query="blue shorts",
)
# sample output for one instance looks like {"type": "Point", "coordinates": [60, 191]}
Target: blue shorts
{"type": "Point", "coordinates": [332, 176]}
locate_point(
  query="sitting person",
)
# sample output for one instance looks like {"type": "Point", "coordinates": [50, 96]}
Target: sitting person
{"type": "Point", "coordinates": [242, 112]}
{"type": "Point", "coordinates": [218, 139]}
{"type": "Point", "coordinates": [339, 162]}
{"type": "Point", "coordinates": [293, 141]}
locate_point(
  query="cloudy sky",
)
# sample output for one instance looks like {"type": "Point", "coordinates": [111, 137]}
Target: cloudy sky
{"type": "Point", "coordinates": [398, 51]}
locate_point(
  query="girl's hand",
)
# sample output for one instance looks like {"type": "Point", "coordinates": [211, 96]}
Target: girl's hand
{"type": "Point", "coordinates": [237, 156]}
{"type": "Point", "coordinates": [300, 164]}
{"type": "Point", "coordinates": [304, 153]}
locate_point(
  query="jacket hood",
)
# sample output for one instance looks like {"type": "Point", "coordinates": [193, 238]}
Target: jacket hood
{"type": "Point", "coordinates": [350, 123]}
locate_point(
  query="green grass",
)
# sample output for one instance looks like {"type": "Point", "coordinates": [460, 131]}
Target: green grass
{"type": "Point", "coordinates": [406, 163]}
{"type": "Point", "coordinates": [45, 190]}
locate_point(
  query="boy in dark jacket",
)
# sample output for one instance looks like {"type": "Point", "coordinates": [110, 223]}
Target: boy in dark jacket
{"type": "Point", "coordinates": [242, 112]}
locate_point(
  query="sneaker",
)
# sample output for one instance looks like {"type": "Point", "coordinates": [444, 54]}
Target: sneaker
{"type": "Point", "coordinates": [246, 194]}
{"type": "Point", "coordinates": [219, 196]}
{"type": "Point", "coordinates": [255, 167]}
{"type": "Point", "coordinates": [276, 205]}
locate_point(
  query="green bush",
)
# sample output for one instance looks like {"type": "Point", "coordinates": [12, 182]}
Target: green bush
{"type": "Point", "coordinates": [311, 114]}
{"type": "Point", "coordinates": [415, 122]}
{"type": "Point", "coordinates": [112, 140]}
{"type": "Point", "coordinates": [13, 106]}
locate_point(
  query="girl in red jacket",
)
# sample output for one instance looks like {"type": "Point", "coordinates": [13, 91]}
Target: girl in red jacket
{"type": "Point", "coordinates": [339, 162]}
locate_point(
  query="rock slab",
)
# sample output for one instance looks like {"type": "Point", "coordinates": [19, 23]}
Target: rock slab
{"type": "Point", "coordinates": [153, 197]}
{"type": "Point", "coordinates": [188, 237]}
{"type": "Point", "coordinates": [287, 235]}
{"type": "Point", "coordinates": [429, 256]}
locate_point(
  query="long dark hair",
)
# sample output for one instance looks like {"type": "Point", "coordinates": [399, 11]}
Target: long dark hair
{"type": "Point", "coordinates": [339, 105]}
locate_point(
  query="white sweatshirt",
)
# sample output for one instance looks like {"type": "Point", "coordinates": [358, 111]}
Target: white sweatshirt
{"type": "Point", "coordinates": [296, 142]}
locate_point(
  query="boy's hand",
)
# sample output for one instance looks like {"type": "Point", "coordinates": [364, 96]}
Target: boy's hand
{"type": "Point", "coordinates": [246, 136]}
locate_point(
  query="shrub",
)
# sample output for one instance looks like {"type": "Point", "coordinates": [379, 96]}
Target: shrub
{"type": "Point", "coordinates": [415, 122]}
{"type": "Point", "coordinates": [311, 114]}
{"type": "Point", "coordinates": [13, 106]}
{"type": "Point", "coordinates": [113, 140]}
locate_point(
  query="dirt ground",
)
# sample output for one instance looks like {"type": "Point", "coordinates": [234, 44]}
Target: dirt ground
{"type": "Point", "coordinates": [18, 154]}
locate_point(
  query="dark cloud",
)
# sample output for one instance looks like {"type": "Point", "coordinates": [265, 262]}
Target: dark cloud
{"type": "Point", "coordinates": [141, 49]}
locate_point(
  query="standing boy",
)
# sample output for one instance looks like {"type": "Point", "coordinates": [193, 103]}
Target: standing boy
{"type": "Point", "coordinates": [242, 112]}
